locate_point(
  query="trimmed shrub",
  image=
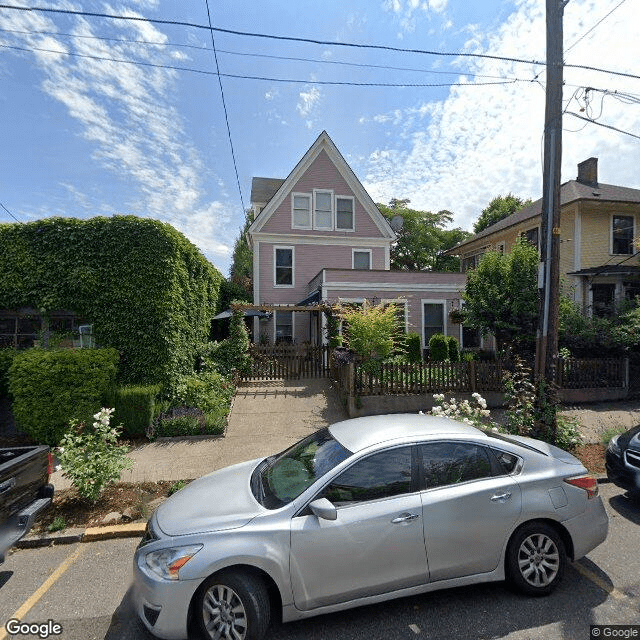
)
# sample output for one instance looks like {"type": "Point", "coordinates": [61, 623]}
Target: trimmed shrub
{"type": "Point", "coordinates": [6, 358]}
{"type": "Point", "coordinates": [438, 347]}
{"type": "Point", "coordinates": [414, 349]}
{"type": "Point", "coordinates": [52, 388]}
{"type": "Point", "coordinates": [453, 349]}
{"type": "Point", "coordinates": [135, 409]}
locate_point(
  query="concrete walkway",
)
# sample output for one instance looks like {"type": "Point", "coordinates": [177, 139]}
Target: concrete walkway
{"type": "Point", "coordinates": [265, 418]}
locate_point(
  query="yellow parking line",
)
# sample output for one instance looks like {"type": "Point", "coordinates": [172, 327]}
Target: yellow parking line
{"type": "Point", "coordinates": [596, 579]}
{"type": "Point", "coordinates": [33, 599]}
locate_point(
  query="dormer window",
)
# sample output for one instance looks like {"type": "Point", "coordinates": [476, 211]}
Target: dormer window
{"type": "Point", "coordinates": [323, 210]}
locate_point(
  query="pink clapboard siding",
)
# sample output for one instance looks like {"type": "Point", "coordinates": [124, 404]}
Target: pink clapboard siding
{"type": "Point", "coordinates": [322, 174]}
{"type": "Point", "coordinates": [308, 260]}
{"type": "Point", "coordinates": [412, 287]}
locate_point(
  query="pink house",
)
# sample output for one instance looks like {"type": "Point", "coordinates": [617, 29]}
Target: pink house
{"type": "Point", "coordinates": [317, 237]}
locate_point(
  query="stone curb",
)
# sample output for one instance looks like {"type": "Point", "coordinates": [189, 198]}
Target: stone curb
{"type": "Point", "coordinates": [90, 534]}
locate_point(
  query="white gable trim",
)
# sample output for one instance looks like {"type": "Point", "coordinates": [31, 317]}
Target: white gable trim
{"type": "Point", "coordinates": [324, 142]}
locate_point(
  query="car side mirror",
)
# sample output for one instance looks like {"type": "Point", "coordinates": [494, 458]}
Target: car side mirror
{"type": "Point", "coordinates": [324, 509]}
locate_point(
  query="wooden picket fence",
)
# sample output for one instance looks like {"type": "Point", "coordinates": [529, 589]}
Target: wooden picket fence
{"type": "Point", "coordinates": [468, 377]}
{"type": "Point", "coordinates": [288, 362]}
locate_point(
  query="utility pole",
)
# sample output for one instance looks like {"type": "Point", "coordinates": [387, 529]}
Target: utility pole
{"type": "Point", "coordinates": [549, 274]}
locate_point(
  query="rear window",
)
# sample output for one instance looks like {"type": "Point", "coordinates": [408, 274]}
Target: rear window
{"type": "Point", "coordinates": [511, 440]}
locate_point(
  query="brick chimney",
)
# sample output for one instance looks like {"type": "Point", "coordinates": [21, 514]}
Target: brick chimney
{"type": "Point", "coordinates": [588, 172]}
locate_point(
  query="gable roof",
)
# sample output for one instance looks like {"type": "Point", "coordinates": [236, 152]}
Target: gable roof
{"type": "Point", "coordinates": [571, 191]}
{"type": "Point", "coordinates": [323, 142]}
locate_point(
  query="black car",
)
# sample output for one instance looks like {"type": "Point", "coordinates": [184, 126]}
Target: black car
{"type": "Point", "coordinates": [623, 460]}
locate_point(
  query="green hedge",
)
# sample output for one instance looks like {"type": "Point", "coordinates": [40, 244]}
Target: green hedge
{"type": "Point", "coordinates": [414, 349]}
{"type": "Point", "coordinates": [135, 409]}
{"type": "Point", "coordinates": [146, 289]}
{"type": "Point", "coordinates": [438, 347]}
{"type": "Point", "coordinates": [6, 358]}
{"type": "Point", "coordinates": [453, 349]}
{"type": "Point", "coordinates": [50, 388]}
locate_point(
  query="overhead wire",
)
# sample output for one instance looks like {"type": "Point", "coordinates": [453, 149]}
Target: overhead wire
{"type": "Point", "coordinates": [11, 214]}
{"type": "Point", "coordinates": [584, 35]}
{"type": "Point", "coordinates": [263, 78]}
{"type": "Point", "coordinates": [465, 72]}
{"type": "Point", "coordinates": [224, 105]}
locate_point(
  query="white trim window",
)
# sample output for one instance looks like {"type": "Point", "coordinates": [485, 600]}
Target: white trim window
{"type": "Point", "coordinates": [345, 213]}
{"type": "Point", "coordinates": [283, 326]}
{"type": "Point", "coordinates": [301, 211]}
{"type": "Point", "coordinates": [283, 267]}
{"type": "Point", "coordinates": [361, 259]}
{"type": "Point", "coordinates": [433, 319]}
{"type": "Point", "coordinates": [622, 234]}
{"type": "Point", "coordinates": [500, 247]}
{"type": "Point", "coordinates": [323, 209]}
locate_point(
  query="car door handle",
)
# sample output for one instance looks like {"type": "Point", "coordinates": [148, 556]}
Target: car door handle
{"type": "Point", "coordinates": [405, 517]}
{"type": "Point", "coordinates": [501, 497]}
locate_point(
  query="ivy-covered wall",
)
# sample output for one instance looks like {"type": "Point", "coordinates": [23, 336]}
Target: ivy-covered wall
{"type": "Point", "coordinates": [148, 291]}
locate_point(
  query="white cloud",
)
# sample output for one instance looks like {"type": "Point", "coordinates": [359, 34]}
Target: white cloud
{"type": "Point", "coordinates": [307, 100]}
{"type": "Point", "coordinates": [126, 112]}
{"type": "Point", "coordinates": [408, 11]}
{"type": "Point", "coordinates": [480, 142]}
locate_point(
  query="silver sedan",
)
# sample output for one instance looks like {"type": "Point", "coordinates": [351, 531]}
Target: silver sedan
{"type": "Point", "coordinates": [366, 510]}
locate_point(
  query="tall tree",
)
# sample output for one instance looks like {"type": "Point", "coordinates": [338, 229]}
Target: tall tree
{"type": "Point", "coordinates": [501, 296]}
{"type": "Point", "coordinates": [499, 208]}
{"type": "Point", "coordinates": [423, 238]}
{"type": "Point", "coordinates": [241, 269]}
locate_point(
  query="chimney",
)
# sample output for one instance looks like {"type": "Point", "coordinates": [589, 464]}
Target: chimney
{"type": "Point", "coordinates": [588, 172]}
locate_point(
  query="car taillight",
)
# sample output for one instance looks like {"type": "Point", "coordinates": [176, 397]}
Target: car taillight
{"type": "Point", "coordinates": [50, 464]}
{"type": "Point", "coordinates": [588, 483]}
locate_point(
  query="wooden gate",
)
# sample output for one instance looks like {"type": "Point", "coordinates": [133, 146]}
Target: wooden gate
{"type": "Point", "coordinates": [288, 362]}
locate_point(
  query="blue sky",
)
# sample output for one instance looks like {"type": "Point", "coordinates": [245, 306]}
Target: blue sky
{"type": "Point", "coordinates": [83, 137]}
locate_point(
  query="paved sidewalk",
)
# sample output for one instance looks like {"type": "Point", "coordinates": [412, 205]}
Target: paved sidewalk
{"type": "Point", "coordinates": [265, 418]}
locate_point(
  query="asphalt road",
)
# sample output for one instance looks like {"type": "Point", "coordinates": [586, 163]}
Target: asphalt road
{"type": "Point", "coordinates": [84, 588]}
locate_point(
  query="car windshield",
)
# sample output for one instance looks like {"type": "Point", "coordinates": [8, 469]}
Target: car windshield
{"type": "Point", "coordinates": [282, 478]}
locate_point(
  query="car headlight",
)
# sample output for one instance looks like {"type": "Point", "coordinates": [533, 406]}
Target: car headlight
{"type": "Point", "coordinates": [167, 563]}
{"type": "Point", "coordinates": [614, 447]}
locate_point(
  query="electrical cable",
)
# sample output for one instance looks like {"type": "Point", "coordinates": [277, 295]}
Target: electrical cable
{"type": "Point", "coordinates": [263, 78]}
{"type": "Point", "coordinates": [224, 105]}
{"type": "Point", "coordinates": [11, 214]}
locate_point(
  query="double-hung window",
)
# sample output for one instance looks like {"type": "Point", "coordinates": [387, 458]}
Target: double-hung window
{"type": "Point", "coordinates": [301, 210]}
{"type": "Point", "coordinates": [322, 210]}
{"type": "Point", "coordinates": [433, 319]}
{"type": "Point", "coordinates": [622, 235]}
{"type": "Point", "coordinates": [344, 213]}
{"type": "Point", "coordinates": [283, 266]}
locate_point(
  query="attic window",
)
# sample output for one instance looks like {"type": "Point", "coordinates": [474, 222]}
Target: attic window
{"type": "Point", "coordinates": [344, 213]}
{"type": "Point", "coordinates": [323, 210]}
{"type": "Point", "coordinates": [301, 211]}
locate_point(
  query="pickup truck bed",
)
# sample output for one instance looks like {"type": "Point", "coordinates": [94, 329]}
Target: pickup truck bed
{"type": "Point", "coordinates": [25, 491]}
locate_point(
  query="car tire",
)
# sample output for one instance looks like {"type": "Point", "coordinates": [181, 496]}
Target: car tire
{"type": "Point", "coordinates": [233, 606]}
{"type": "Point", "coordinates": [536, 559]}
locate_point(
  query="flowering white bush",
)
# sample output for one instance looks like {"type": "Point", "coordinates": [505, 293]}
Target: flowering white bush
{"type": "Point", "coordinates": [92, 458]}
{"type": "Point", "coordinates": [476, 414]}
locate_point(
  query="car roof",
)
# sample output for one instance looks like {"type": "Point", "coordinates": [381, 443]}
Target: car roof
{"type": "Point", "coordinates": [360, 433]}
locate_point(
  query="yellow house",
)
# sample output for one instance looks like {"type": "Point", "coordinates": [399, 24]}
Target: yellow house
{"type": "Point", "coordinates": [599, 259]}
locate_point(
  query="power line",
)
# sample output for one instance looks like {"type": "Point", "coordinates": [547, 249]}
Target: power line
{"type": "Point", "coordinates": [259, 55]}
{"type": "Point", "coordinates": [250, 34]}
{"type": "Point", "coordinates": [584, 35]}
{"type": "Point", "coordinates": [11, 214]}
{"type": "Point", "coordinates": [601, 124]}
{"type": "Point", "coordinates": [263, 78]}
{"type": "Point", "coordinates": [224, 105]}
{"type": "Point", "coordinates": [332, 43]}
